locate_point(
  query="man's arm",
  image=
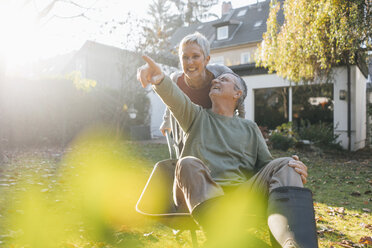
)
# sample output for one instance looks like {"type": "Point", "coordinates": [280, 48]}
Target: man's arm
{"type": "Point", "coordinates": [177, 102]}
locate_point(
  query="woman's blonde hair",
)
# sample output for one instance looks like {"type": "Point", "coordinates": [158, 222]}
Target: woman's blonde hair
{"type": "Point", "coordinates": [198, 39]}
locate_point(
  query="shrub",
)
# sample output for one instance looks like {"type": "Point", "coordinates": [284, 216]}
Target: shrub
{"type": "Point", "coordinates": [281, 142]}
{"type": "Point", "coordinates": [283, 137]}
{"type": "Point", "coordinates": [320, 134]}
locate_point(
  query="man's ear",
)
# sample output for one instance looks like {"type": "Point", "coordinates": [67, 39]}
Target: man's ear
{"type": "Point", "coordinates": [238, 94]}
{"type": "Point", "coordinates": [208, 58]}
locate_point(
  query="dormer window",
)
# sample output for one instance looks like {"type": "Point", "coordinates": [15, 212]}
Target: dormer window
{"type": "Point", "coordinates": [257, 24]}
{"type": "Point", "coordinates": [222, 32]}
{"type": "Point", "coordinates": [242, 12]}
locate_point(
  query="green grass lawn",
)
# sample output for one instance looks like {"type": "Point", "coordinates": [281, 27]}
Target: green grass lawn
{"type": "Point", "coordinates": [48, 200]}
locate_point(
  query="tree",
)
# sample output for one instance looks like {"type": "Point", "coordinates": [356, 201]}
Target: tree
{"type": "Point", "coordinates": [166, 16]}
{"type": "Point", "coordinates": [158, 29]}
{"type": "Point", "coordinates": [315, 36]}
{"type": "Point", "coordinates": [194, 11]}
{"type": "Point", "coordinates": [80, 10]}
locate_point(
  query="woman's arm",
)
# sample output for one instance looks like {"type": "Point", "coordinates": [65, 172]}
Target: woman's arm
{"type": "Point", "coordinates": [178, 103]}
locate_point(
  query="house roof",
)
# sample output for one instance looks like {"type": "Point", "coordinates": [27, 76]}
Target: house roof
{"type": "Point", "coordinates": [107, 51]}
{"type": "Point", "coordinates": [249, 21]}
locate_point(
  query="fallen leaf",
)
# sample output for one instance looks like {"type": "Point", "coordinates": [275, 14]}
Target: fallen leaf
{"type": "Point", "coordinates": [346, 243]}
{"type": "Point", "coordinates": [355, 193]}
{"type": "Point", "coordinates": [320, 218]}
{"type": "Point", "coordinates": [325, 230]}
{"type": "Point", "coordinates": [340, 210]}
{"type": "Point", "coordinates": [365, 240]}
{"type": "Point", "coordinates": [368, 226]}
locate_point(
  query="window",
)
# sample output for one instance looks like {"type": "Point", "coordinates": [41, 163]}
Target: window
{"type": "Point", "coordinates": [242, 12]}
{"type": "Point", "coordinates": [217, 60]}
{"type": "Point", "coordinates": [245, 58]}
{"type": "Point", "coordinates": [257, 24]}
{"type": "Point", "coordinates": [222, 32]}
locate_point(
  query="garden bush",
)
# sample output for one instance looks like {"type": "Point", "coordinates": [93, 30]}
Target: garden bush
{"type": "Point", "coordinates": [283, 137]}
{"type": "Point", "coordinates": [320, 134]}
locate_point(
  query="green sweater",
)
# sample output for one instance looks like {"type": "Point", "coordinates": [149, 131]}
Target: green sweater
{"type": "Point", "coordinates": [233, 148]}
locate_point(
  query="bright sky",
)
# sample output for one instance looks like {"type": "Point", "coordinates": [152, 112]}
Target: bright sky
{"type": "Point", "coordinates": [25, 40]}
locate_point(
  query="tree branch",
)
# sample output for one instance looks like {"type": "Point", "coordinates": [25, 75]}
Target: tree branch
{"type": "Point", "coordinates": [72, 17]}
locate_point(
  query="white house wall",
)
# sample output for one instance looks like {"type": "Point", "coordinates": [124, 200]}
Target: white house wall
{"type": "Point", "coordinates": [157, 108]}
{"type": "Point", "coordinates": [358, 108]}
{"type": "Point", "coordinates": [260, 82]}
{"type": "Point", "coordinates": [340, 106]}
{"type": "Point", "coordinates": [358, 104]}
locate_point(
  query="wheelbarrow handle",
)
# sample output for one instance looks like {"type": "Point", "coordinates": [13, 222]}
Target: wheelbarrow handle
{"type": "Point", "coordinates": [170, 142]}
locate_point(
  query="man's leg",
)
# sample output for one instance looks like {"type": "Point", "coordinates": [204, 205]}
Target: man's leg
{"type": "Point", "coordinates": [290, 209]}
{"type": "Point", "coordinates": [275, 174]}
{"type": "Point", "coordinates": [220, 220]}
{"type": "Point", "coordinates": [193, 183]}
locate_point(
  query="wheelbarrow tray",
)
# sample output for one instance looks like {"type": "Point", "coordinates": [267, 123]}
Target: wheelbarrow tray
{"type": "Point", "coordinates": [156, 200]}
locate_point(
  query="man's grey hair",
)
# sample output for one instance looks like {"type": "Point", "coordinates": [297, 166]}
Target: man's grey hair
{"type": "Point", "coordinates": [198, 39]}
{"type": "Point", "coordinates": [242, 87]}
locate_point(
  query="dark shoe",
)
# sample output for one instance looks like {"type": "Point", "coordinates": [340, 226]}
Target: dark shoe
{"type": "Point", "coordinates": [291, 218]}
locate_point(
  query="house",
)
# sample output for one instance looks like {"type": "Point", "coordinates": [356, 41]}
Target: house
{"type": "Point", "coordinates": [111, 68]}
{"type": "Point", "coordinates": [234, 38]}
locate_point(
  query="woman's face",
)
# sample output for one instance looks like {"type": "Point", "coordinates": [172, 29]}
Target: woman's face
{"type": "Point", "coordinates": [193, 61]}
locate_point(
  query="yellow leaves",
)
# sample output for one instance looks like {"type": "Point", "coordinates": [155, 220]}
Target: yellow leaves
{"type": "Point", "coordinates": [81, 83]}
{"type": "Point", "coordinates": [315, 36]}
{"type": "Point", "coordinates": [125, 107]}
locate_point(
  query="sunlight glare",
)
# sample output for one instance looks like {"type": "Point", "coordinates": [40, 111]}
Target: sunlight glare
{"type": "Point", "coordinates": [21, 39]}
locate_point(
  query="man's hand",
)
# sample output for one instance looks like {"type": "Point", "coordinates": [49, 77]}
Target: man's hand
{"type": "Point", "coordinates": [150, 73]}
{"type": "Point", "coordinates": [299, 167]}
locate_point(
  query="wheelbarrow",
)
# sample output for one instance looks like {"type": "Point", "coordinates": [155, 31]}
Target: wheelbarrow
{"type": "Point", "coordinates": [156, 200]}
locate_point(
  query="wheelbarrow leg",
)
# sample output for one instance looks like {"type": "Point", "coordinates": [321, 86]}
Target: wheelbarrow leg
{"type": "Point", "coordinates": [194, 239]}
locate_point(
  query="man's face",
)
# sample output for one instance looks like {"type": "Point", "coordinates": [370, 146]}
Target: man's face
{"type": "Point", "coordinates": [227, 86]}
{"type": "Point", "coordinates": [193, 61]}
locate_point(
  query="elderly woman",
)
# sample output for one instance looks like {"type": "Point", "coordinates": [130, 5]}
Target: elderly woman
{"type": "Point", "coordinates": [197, 75]}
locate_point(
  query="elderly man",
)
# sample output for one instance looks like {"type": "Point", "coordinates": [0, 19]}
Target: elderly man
{"type": "Point", "coordinates": [223, 153]}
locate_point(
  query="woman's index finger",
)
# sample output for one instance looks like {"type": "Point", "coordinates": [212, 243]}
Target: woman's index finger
{"type": "Point", "coordinates": [149, 61]}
